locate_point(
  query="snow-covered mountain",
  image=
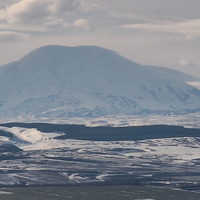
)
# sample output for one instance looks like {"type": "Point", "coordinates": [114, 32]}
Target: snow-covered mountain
{"type": "Point", "coordinates": [59, 81]}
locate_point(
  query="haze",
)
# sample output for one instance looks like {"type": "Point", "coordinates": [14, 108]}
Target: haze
{"type": "Point", "coordinates": [151, 32]}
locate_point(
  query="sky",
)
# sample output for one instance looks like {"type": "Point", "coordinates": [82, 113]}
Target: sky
{"type": "Point", "coordinates": [163, 33]}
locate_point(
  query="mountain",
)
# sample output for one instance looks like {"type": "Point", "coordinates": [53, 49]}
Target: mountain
{"type": "Point", "coordinates": [60, 81]}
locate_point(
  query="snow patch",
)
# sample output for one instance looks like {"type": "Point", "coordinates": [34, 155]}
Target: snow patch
{"type": "Point", "coordinates": [3, 192]}
{"type": "Point", "coordinates": [32, 136]}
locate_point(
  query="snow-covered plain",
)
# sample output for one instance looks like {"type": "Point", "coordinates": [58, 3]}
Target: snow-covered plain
{"type": "Point", "coordinates": [187, 120]}
{"type": "Point", "coordinates": [182, 149]}
{"type": "Point", "coordinates": [46, 160]}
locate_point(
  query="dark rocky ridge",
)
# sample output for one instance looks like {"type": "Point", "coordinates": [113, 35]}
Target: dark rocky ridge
{"type": "Point", "coordinates": [102, 133]}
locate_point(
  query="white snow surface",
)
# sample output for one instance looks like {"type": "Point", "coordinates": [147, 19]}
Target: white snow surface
{"type": "Point", "coordinates": [29, 136]}
{"type": "Point", "coordinates": [3, 192]}
{"type": "Point", "coordinates": [188, 120]}
{"type": "Point", "coordinates": [59, 81]}
{"type": "Point", "coordinates": [182, 150]}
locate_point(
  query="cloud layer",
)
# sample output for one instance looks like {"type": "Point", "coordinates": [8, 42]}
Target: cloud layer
{"type": "Point", "coordinates": [8, 36]}
{"type": "Point", "coordinates": [67, 14]}
{"type": "Point", "coordinates": [52, 14]}
{"type": "Point", "coordinates": [152, 32]}
{"type": "Point", "coordinates": [189, 28]}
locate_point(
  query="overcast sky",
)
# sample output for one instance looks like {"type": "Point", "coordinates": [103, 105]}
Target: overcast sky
{"type": "Point", "coordinates": [152, 32]}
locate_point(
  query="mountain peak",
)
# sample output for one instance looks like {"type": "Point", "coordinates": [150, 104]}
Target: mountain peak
{"type": "Point", "coordinates": [91, 81]}
{"type": "Point", "coordinates": [66, 51]}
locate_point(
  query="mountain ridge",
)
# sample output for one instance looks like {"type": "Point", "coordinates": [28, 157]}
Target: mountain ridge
{"type": "Point", "coordinates": [91, 81]}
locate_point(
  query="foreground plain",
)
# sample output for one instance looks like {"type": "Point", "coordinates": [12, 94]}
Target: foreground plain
{"type": "Point", "coordinates": [48, 154]}
{"type": "Point", "coordinates": [97, 193]}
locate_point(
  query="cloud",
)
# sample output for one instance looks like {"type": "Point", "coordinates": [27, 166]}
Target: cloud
{"type": "Point", "coordinates": [88, 7]}
{"type": "Point", "coordinates": [190, 67]}
{"type": "Point", "coordinates": [190, 28]}
{"type": "Point", "coordinates": [86, 25]}
{"type": "Point", "coordinates": [8, 36]}
{"type": "Point", "coordinates": [63, 24]}
{"type": "Point", "coordinates": [62, 6]}
{"type": "Point", "coordinates": [25, 11]}
{"type": "Point", "coordinates": [184, 62]}
{"type": "Point", "coordinates": [49, 13]}
{"type": "Point", "coordinates": [57, 24]}
{"type": "Point", "coordinates": [188, 63]}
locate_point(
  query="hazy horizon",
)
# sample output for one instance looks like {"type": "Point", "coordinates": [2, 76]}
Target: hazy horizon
{"type": "Point", "coordinates": [164, 33]}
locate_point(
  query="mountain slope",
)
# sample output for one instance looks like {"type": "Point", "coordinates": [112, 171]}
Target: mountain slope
{"type": "Point", "coordinates": [91, 81]}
